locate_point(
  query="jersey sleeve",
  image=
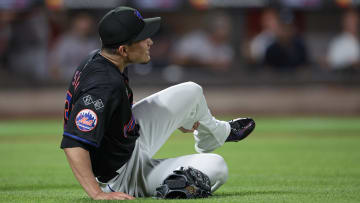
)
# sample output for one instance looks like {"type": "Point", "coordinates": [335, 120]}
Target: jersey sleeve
{"type": "Point", "coordinates": [68, 142]}
{"type": "Point", "coordinates": [90, 115]}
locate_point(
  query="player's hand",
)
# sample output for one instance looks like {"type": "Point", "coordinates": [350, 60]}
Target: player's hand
{"type": "Point", "coordinates": [112, 196]}
{"type": "Point", "coordinates": [195, 127]}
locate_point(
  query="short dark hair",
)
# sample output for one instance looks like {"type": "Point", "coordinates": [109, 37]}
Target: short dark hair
{"type": "Point", "coordinates": [113, 50]}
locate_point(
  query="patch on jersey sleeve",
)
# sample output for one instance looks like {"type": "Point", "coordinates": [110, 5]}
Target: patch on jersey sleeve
{"type": "Point", "coordinates": [87, 100]}
{"type": "Point", "coordinates": [98, 104]}
{"type": "Point", "coordinates": [86, 120]}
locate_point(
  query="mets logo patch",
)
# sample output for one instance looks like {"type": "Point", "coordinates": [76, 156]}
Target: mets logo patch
{"type": "Point", "coordinates": [86, 120]}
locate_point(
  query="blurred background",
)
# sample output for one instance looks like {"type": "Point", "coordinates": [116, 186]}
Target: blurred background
{"type": "Point", "coordinates": [253, 57]}
{"type": "Point", "coordinates": [292, 65]}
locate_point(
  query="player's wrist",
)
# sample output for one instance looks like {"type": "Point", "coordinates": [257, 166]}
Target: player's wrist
{"type": "Point", "coordinates": [98, 196]}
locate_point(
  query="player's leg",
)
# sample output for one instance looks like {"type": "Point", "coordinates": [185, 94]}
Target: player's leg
{"type": "Point", "coordinates": [160, 114]}
{"type": "Point", "coordinates": [212, 165]}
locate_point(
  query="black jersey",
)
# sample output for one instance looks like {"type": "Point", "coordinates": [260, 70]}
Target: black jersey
{"type": "Point", "coordinates": [98, 115]}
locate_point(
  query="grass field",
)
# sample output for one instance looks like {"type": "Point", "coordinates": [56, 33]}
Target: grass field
{"type": "Point", "coordinates": [284, 160]}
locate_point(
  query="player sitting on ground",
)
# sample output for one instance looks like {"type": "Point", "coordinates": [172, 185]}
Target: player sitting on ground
{"type": "Point", "coordinates": [109, 142]}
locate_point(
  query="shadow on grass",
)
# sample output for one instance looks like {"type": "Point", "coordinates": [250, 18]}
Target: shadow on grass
{"type": "Point", "coordinates": [251, 193]}
{"type": "Point", "coordinates": [37, 187]}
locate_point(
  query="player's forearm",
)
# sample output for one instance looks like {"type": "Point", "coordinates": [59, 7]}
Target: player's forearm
{"type": "Point", "coordinates": [79, 160]}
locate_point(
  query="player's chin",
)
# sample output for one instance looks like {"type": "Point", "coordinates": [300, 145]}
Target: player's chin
{"type": "Point", "coordinates": [146, 61]}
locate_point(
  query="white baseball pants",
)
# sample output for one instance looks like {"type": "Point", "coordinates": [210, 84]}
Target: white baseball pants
{"type": "Point", "coordinates": [159, 115]}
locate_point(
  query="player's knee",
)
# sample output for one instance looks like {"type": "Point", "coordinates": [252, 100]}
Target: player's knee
{"type": "Point", "coordinates": [193, 88]}
{"type": "Point", "coordinates": [220, 168]}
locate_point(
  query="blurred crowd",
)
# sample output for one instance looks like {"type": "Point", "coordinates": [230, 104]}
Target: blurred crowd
{"type": "Point", "coordinates": [280, 45]}
{"type": "Point", "coordinates": [47, 45]}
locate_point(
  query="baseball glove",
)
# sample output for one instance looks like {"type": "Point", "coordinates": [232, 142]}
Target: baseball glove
{"type": "Point", "coordinates": [185, 184]}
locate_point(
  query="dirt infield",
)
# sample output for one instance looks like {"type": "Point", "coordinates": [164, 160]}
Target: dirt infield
{"type": "Point", "coordinates": [226, 101]}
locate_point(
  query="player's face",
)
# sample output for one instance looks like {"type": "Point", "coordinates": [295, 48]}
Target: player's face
{"type": "Point", "coordinates": [139, 52]}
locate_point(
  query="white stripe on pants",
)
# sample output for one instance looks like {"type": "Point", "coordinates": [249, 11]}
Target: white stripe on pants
{"type": "Point", "coordinates": [159, 115]}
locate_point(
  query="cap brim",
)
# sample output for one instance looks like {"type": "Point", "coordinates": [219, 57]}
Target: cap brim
{"type": "Point", "coordinates": [151, 27]}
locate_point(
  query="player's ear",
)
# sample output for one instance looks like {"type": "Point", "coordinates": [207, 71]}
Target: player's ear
{"type": "Point", "coordinates": [122, 50]}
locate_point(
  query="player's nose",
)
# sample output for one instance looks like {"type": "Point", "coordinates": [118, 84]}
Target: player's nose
{"type": "Point", "coordinates": [149, 41]}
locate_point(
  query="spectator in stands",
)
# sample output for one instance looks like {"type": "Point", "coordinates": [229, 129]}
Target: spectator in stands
{"type": "Point", "coordinates": [28, 46]}
{"type": "Point", "coordinates": [6, 18]}
{"type": "Point", "coordinates": [207, 48]}
{"type": "Point", "coordinates": [258, 45]}
{"type": "Point", "coordinates": [344, 50]}
{"type": "Point", "coordinates": [72, 47]}
{"type": "Point", "coordinates": [288, 51]}
{"type": "Point", "coordinates": [160, 50]}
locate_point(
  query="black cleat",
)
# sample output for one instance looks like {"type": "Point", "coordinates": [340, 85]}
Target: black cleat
{"type": "Point", "coordinates": [240, 129]}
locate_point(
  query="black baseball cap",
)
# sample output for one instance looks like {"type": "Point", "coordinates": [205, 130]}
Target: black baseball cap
{"type": "Point", "coordinates": [124, 25]}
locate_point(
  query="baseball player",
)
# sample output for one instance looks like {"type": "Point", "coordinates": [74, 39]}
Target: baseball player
{"type": "Point", "coordinates": [109, 142]}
